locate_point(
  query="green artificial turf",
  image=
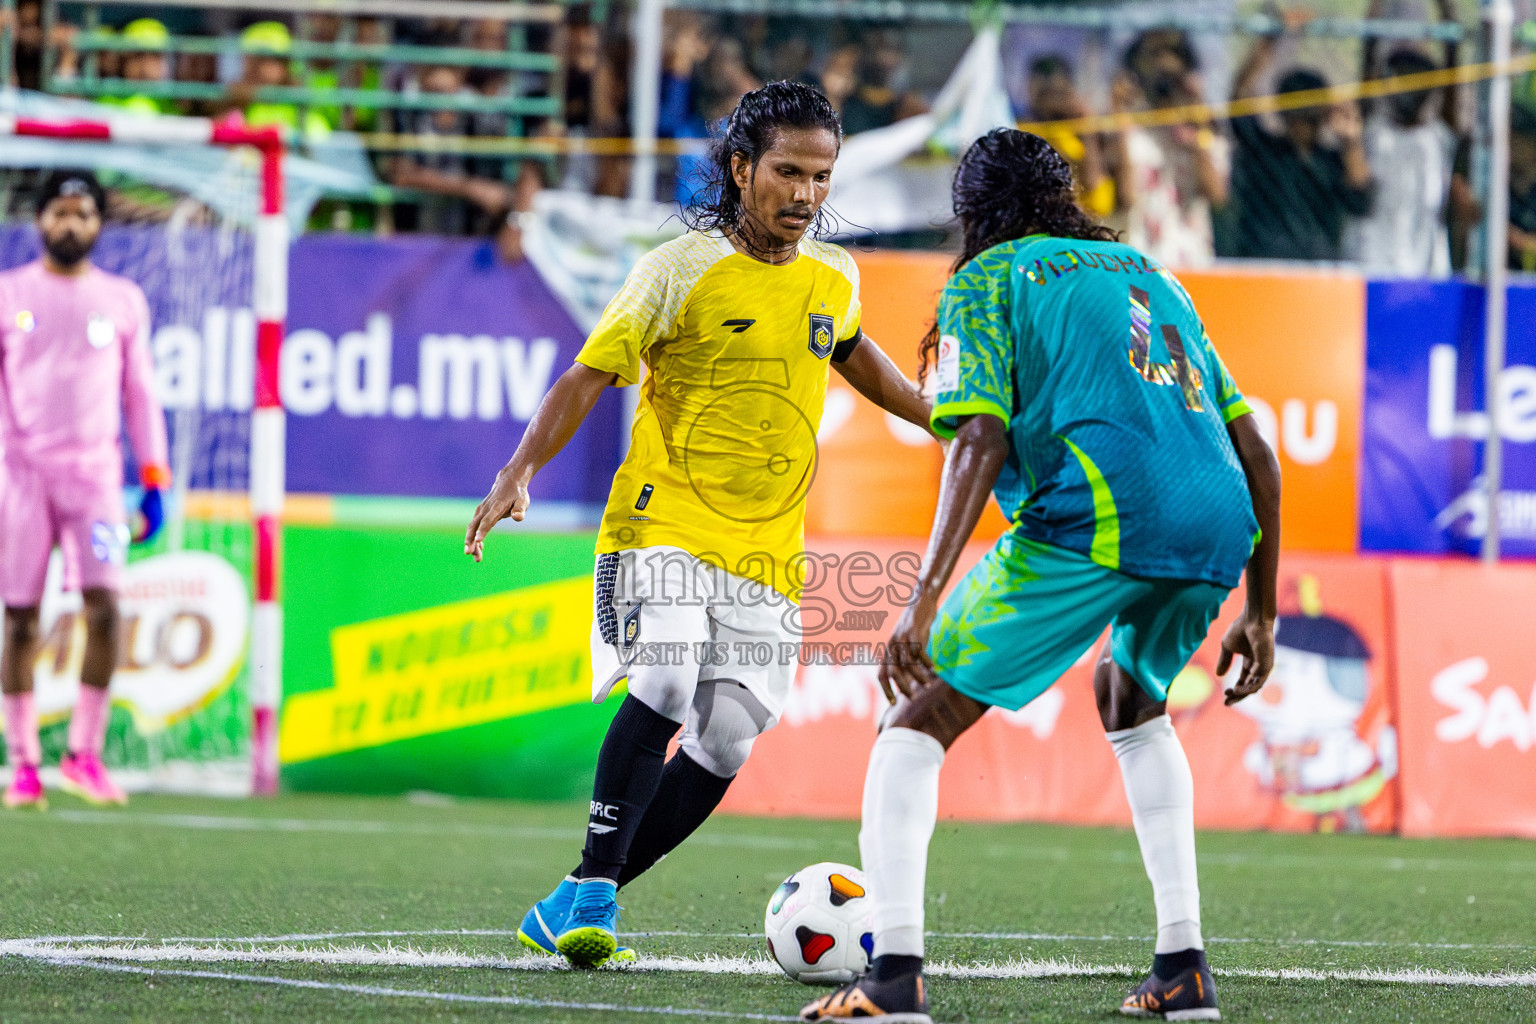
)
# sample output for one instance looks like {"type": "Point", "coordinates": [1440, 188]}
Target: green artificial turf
{"type": "Point", "coordinates": [196, 871]}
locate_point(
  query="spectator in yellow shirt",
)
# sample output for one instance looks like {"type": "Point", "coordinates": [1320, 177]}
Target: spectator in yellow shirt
{"type": "Point", "coordinates": [1098, 160]}
{"type": "Point", "coordinates": [148, 65]}
{"type": "Point", "coordinates": [266, 45]}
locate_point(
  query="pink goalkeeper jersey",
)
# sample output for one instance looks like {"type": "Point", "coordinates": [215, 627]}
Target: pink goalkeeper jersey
{"type": "Point", "coordinates": [74, 367]}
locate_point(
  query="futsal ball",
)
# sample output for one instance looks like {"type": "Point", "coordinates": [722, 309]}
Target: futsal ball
{"type": "Point", "coordinates": [819, 924]}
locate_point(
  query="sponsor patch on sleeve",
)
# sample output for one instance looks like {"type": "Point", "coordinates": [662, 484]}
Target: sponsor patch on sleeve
{"type": "Point", "coordinates": [947, 373]}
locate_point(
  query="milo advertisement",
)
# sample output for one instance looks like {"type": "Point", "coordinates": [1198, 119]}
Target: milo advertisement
{"type": "Point", "coordinates": [407, 666]}
{"type": "Point", "coordinates": [180, 714]}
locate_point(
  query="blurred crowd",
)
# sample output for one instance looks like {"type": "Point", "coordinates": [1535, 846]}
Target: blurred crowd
{"type": "Point", "coordinates": [442, 192]}
{"type": "Point", "coordinates": [707, 66]}
{"type": "Point", "coordinates": [709, 63]}
{"type": "Point", "coordinates": [1383, 184]}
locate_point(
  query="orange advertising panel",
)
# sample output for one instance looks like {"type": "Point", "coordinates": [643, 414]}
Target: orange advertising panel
{"type": "Point", "coordinates": [1316, 750]}
{"type": "Point", "coordinates": [1294, 342]}
{"type": "Point", "coordinates": [876, 475]}
{"type": "Point", "coordinates": [812, 763]}
{"type": "Point", "coordinates": [1467, 687]}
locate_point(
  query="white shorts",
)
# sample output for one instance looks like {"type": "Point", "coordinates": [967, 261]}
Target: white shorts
{"type": "Point", "coordinates": [667, 621]}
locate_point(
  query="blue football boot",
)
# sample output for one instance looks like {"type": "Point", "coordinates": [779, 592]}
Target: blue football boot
{"type": "Point", "coordinates": [590, 936]}
{"type": "Point", "coordinates": [546, 919]}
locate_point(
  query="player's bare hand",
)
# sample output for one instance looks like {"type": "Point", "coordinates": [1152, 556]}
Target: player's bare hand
{"type": "Point", "coordinates": [907, 667]}
{"type": "Point", "coordinates": [491, 196]}
{"type": "Point", "coordinates": [1124, 94]}
{"type": "Point", "coordinates": [1253, 639]}
{"type": "Point", "coordinates": [1346, 123]}
{"type": "Point", "coordinates": [508, 500]}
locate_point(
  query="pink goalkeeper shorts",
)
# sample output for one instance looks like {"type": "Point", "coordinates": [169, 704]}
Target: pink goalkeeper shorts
{"type": "Point", "coordinates": [81, 512]}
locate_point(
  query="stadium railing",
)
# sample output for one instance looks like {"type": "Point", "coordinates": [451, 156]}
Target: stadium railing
{"type": "Point", "coordinates": [517, 105]}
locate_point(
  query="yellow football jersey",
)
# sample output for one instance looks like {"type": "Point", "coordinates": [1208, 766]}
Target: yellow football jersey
{"type": "Point", "coordinates": [723, 446]}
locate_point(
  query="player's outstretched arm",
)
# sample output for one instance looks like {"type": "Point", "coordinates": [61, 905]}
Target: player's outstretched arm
{"type": "Point", "coordinates": [1252, 636]}
{"type": "Point", "coordinates": [970, 470]}
{"type": "Point", "coordinates": [144, 420]}
{"type": "Point", "coordinates": [143, 416]}
{"type": "Point", "coordinates": [877, 378]}
{"type": "Point", "coordinates": [563, 409]}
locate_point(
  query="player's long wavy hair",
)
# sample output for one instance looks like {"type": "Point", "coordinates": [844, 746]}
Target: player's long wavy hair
{"type": "Point", "coordinates": [1010, 184]}
{"type": "Point", "coordinates": [751, 131]}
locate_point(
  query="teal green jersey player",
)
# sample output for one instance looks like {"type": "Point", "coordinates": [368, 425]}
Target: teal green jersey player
{"type": "Point", "coordinates": [1127, 500]}
{"type": "Point", "coordinates": [1116, 405]}
{"type": "Point", "coordinates": [1081, 389]}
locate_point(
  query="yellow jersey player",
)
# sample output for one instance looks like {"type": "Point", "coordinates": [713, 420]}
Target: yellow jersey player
{"type": "Point", "coordinates": [699, 561]}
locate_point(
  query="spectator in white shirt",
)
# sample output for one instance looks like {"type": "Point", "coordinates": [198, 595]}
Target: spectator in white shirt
{"type": "Point", "coordinates": [1411, 140]}
{"type": "Point", "coordinates": [1177, 174]}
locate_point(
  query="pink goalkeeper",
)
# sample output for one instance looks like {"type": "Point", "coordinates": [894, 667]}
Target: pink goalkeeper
{"type": "Point", "coordinates": [75, 369]}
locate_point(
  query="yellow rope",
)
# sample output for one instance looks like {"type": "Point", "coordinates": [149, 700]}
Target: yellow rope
{"type": "Point", "coordinates": [1198, 113]}
{"type": "Point", "coordinates": [1193, 113]}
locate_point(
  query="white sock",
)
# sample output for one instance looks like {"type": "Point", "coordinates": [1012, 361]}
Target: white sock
{"type": "Point", "coordinates": [1161, 792]}
{"type": "Point", "coordinates": [901, 805]}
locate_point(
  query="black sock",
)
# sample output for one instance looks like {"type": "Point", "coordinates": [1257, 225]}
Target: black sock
{"type": "Point", "coordinates": [1169, 965]}
{"type": "Point", "coordinates": [629, 768]}
{"type": "Point", "coordinates": [688, 794]}
{"type": "Point", "coordinates": [891, 966]}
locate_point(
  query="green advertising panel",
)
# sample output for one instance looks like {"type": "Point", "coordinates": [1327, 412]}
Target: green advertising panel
{"type": "Point", "coordinates": [408, 666]}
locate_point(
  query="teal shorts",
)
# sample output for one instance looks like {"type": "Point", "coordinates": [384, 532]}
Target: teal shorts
{"type": "Point", "coordinates": [1028, 610]}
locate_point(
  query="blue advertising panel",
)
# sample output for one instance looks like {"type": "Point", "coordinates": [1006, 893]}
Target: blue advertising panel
{"type": "Point", "coordinates": [411, 365]}
{"type": "Point", "coordinates": [1422, 453]}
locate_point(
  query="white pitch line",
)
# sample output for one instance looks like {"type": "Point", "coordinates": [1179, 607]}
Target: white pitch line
{"type": "Point", "coordinates": [256, 940]}
{"type": "Point", "coordinates": [1012, 968]}
{"type": "Point", "coordinates": [1413, 976]}
{"type": "Point", "coordinates": [1236, 940]}
{"type": "Point", "coordinates": [406, 993]}
{"type": "Point", "coordinates": [359, 826]}
{"type": "Point", "coordinates": [364, 956]}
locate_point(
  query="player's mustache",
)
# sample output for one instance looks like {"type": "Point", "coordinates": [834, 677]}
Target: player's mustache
{"type": "Point", "coordinates": [796, 211]}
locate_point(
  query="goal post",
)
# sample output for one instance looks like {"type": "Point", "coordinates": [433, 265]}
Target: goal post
{"type": "Point", "coordinates": [268, 446]}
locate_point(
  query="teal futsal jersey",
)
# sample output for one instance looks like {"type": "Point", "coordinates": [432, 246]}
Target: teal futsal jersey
{"type": "Point", "coordinates": [1116, 405]}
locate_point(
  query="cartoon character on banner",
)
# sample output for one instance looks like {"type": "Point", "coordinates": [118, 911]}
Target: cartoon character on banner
{"type": "Point", "coordinates": [1327, 747]}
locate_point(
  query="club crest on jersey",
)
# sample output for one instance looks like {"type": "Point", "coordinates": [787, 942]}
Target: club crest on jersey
{"type": "Point", "coordinates": [100, 331]}
{"type": "Point", "coordinates": [26, 322]}
{"type": "Point", "coordinates": [821, 335]}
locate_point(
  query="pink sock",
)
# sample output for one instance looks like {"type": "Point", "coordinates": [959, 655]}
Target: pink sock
{"type": "Point", "coordinates": [21, 743]}
{"type": "Point", "coordinates": [88, 725]}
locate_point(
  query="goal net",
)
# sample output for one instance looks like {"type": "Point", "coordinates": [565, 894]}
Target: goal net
{"type": "Point", "coordinates": [190, 219]}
